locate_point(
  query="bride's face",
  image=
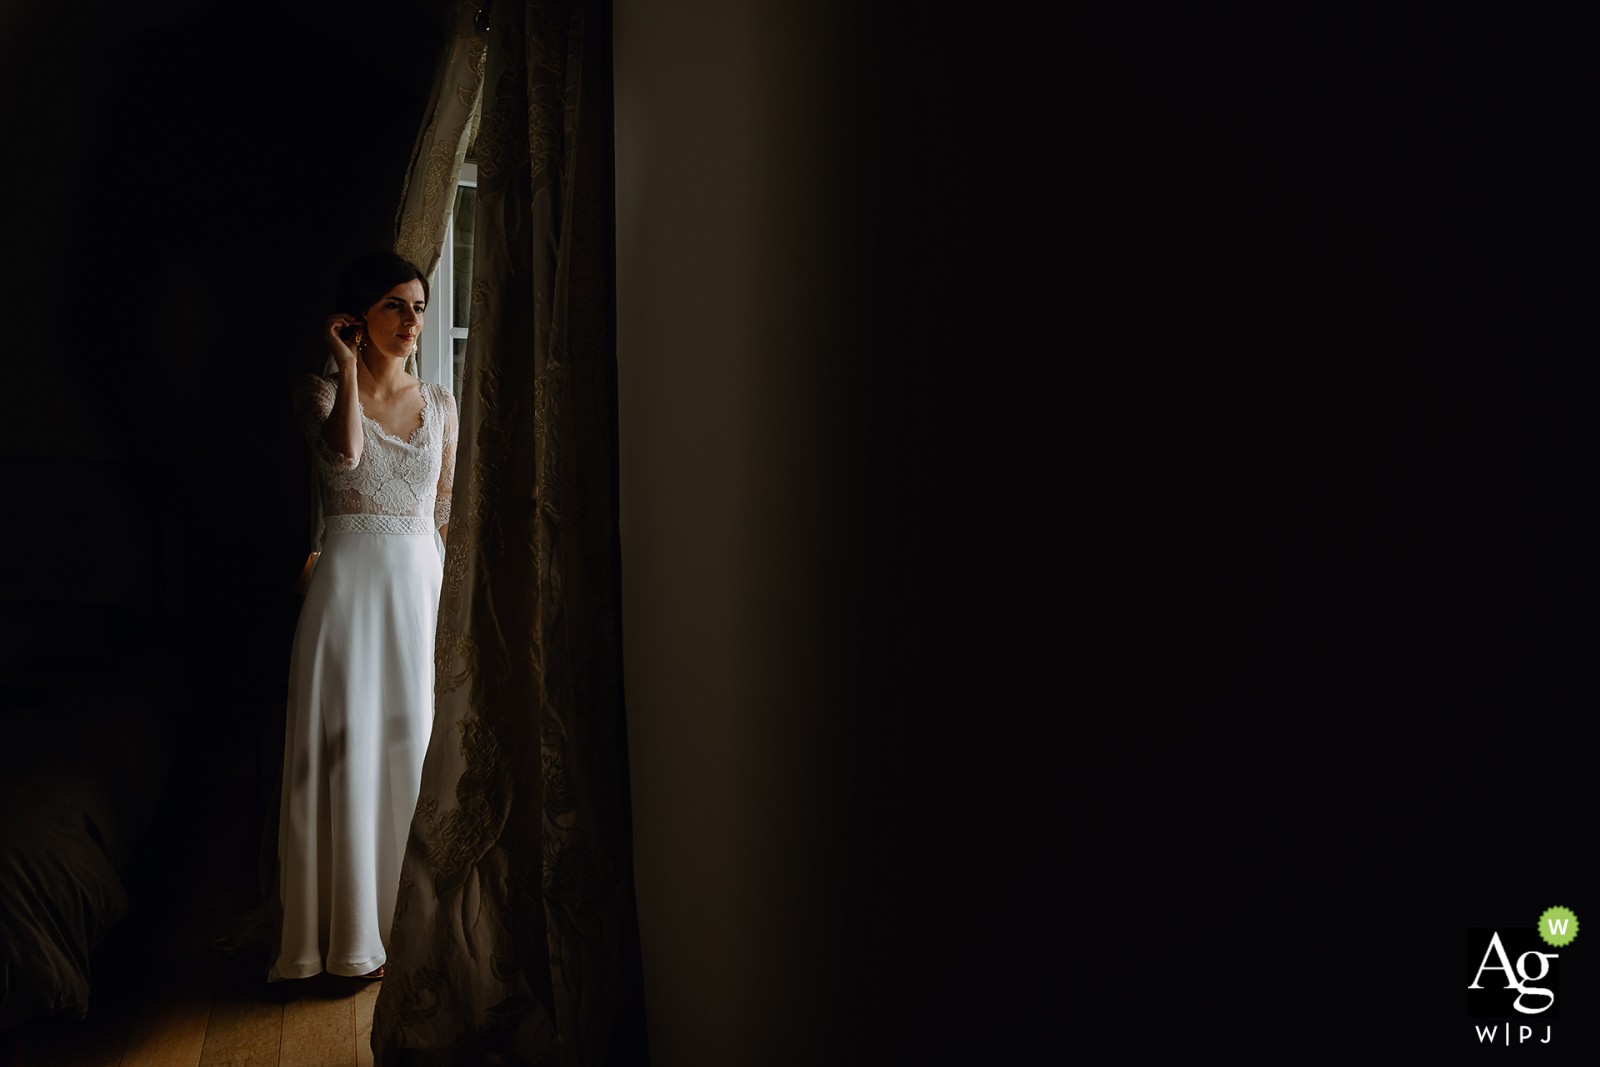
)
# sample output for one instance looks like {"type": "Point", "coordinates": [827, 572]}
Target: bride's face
{"type": "Point", "coordinates": [395, 322]}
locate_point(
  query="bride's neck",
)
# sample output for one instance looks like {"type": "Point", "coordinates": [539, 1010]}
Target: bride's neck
{"type": "Point", "coordinates": [384, 372]}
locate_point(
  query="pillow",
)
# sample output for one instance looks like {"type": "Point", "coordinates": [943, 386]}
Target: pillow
{"type": "Point", "coordinates": [59, 892]}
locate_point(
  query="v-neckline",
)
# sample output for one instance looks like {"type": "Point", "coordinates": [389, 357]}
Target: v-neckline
{"type": "Point", "coordinates": [410, 441]}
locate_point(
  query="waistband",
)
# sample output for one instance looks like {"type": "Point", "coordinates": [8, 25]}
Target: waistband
{"type": "Point", "coordinates": [381, 524]}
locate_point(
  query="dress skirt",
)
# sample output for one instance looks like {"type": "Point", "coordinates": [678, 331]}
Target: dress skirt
{"type": "Point", "coordinates": [360, 712]}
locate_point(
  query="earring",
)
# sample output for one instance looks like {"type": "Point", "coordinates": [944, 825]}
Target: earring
{"type": "Point", "coordinates": [361, 341]}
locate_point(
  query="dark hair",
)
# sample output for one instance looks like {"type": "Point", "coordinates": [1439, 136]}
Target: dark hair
{"type": "Point", "coordinates": [367, 278]}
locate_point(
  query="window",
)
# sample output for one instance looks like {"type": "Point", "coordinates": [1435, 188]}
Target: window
{"type": "Point", "coordinates": [444, 334]}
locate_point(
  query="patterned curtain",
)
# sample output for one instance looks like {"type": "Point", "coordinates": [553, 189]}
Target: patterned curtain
{"type": "Point", "coordinates": [423, 218]}
{"type": "Point", "coordinates": [514, 936]}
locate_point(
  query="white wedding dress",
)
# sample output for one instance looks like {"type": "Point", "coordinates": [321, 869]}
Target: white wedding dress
{"type": "Point", "coordinates": [360, 686]}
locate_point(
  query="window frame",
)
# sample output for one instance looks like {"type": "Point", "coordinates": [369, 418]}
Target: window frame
{"type": "Point", "coordinates": [436, 356]}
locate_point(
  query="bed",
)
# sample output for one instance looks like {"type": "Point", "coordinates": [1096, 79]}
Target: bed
{"type": "Point", "coordinates": [84, 753]}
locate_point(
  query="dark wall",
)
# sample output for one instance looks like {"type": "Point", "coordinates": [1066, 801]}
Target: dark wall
{"type": "Point", "coordinates": [188, 180]}
{"type": "Point", "coordinates": [1195, 403]}
{"type": "Point", "coordinates": [825, 298]}
{"type": "Point", "coordinates": [741, 357]}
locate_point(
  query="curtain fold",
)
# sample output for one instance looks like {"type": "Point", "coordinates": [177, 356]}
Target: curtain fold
{"type": "Point", "coordinates": [514, 931]}
{"type": "Point", "coordinates": [422, 220]}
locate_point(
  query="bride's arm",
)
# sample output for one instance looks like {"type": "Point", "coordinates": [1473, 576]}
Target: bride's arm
{"type": "Point", "coordinates": [447, 468]}
{"type": "Point", "coordinates": [342, 431]}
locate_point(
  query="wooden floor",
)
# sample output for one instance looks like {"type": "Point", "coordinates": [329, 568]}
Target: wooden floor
{"type": "Point", "coordinates": [166, 997]}
{"type": "Point", "coordinates": [187, 1020]}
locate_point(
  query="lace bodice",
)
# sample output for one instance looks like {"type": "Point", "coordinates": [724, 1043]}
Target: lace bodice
{"type": "Point", "coordinates": [398, 486]}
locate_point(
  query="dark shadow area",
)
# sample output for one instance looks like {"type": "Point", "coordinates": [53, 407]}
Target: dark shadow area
{"type": "Point", "coordinates": [192, 187]}
{"type": "Point", "coordinates": [1229, 435]}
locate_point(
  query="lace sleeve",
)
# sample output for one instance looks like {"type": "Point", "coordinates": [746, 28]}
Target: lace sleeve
{"type": "Point", "coordinates": [447, 464]}
{"type": "Point", "coordinates": [313, 400]}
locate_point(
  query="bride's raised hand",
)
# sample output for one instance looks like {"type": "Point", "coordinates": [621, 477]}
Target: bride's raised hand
{"type": "Point", "coordinates": [341, 350]}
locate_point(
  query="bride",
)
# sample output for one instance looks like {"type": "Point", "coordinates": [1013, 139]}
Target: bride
{"type": "Point", "coordinates": [361, 672]}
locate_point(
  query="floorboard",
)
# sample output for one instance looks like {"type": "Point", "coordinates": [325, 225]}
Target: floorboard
{"type": "Point", "coordinates": [246, 1027]}
{"type": "Point", "coordinates": [366, 1000]}
{"type": "Point", "coordinates": [319, 1024]}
